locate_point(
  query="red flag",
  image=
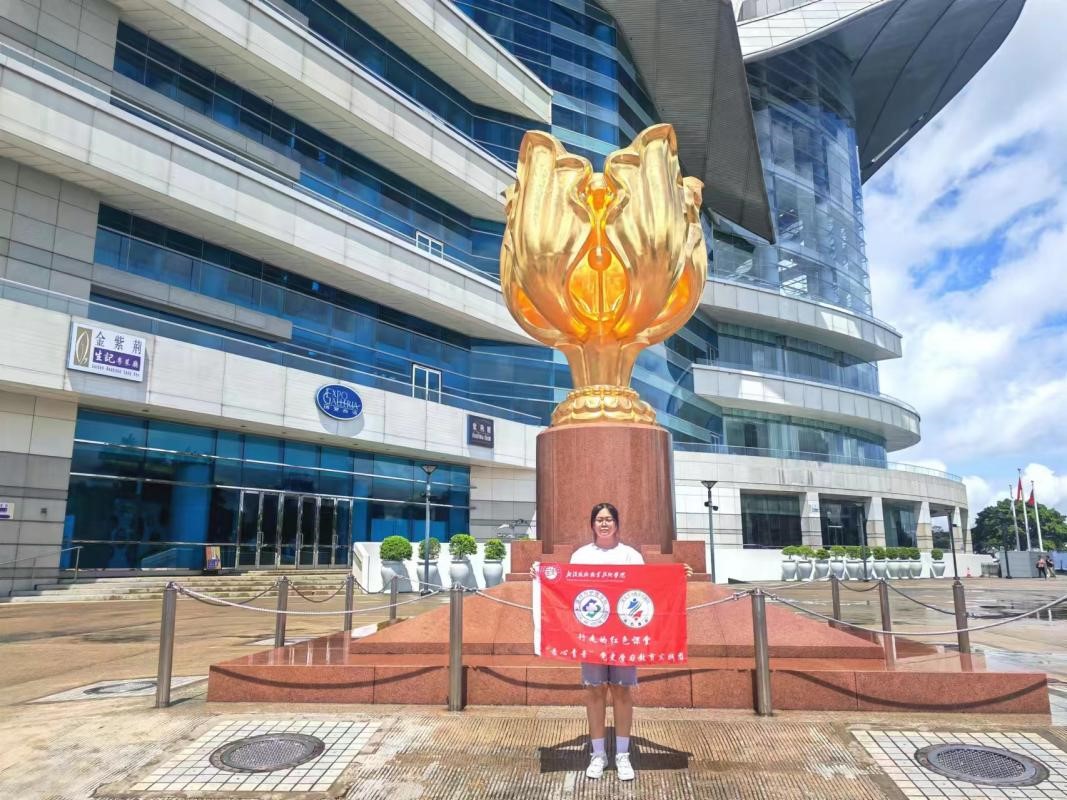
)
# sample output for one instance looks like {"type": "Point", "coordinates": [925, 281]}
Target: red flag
{"type": "Point", "coordinates": [611, 614]}
{"type": "Point", "coordinates": [1031, 502]}
{"type": "Point", "coordinates": [1019, 491]}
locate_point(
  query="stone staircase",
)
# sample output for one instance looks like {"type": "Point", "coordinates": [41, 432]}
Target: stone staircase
{"type": "Point", "coordinates": [315, 583]}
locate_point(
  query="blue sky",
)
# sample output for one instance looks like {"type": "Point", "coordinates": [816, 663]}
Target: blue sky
{"type": "Point", "coordinates": [967, 241]}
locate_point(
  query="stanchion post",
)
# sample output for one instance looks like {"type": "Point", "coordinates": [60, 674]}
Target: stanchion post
{"type": "Point", "coordinates": [393, 589]}
{"type": "Point", "coordinates": [455, 649]}
{"type": "Point", "coordinates": [889, 644]}
{"type": "Point", "coordinates": [279, 618]}
{"type": "Point", "coordinates": [835, 592]}
{"type": "Point", "coordinates": [166, 645]}
{"type": "Point", "coordinates": [763, 660]}
{"type": "Point", "coordinates": [959, 602]}
{"type": "Point", "coordinates": [350, 595]}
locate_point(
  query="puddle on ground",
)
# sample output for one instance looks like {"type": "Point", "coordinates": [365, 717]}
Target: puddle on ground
{"type": "Point", "coordinates": [1000, 610]}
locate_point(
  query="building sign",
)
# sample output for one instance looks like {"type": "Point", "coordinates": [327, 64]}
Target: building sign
{"type": "Point", "coordinates": [105, 352]}
{"type": "Point", "coordinates": [339, 402]}
{"type": "Point", "coordinates": [479, 431]}
{"type": "Point", "coordinates": [7, 510]}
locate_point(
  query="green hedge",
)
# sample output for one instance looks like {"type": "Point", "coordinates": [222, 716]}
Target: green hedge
{"type": "Point", "coordinates": [435, 549]}
{"type": "Point", "coordinates": [462, 544]}
{"type": "Point", "coordinates": [495, 550]}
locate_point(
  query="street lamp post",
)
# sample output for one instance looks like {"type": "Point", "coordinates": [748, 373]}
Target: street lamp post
{"type": "Point", "coordinates": [428, 469]}
{"type": "Point", "coordinates": [711, 527]}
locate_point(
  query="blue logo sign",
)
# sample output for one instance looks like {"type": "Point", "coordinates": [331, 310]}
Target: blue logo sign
{"type": "Point", "coordinates": [339, 402]}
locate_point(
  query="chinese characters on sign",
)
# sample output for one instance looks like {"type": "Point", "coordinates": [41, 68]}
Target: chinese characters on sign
{"type": "Point", "coordinates": [479, 431]}
{"type": "Point", "coordinates": [7, 510]}
{"type": "Point", "coordinates": [104, 352]}
{"type": "Point", "coordinates": [338, 401]}
{"type": "Point", "coordinates": [632, 615]}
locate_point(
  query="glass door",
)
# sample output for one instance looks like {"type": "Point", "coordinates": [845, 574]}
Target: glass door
{"type": "Point", "coordinates": [309, 531]}
{"type": "Point", "coordinates": [289, 531]}
{"type": "Point", "coordinates": [342, 531]}
{"type": "Point", "coordinates": [270, 530]}
{"type": "Point", "coordinates": [248, 529]}
{"type": "Point", "coordinates": [327, 532]}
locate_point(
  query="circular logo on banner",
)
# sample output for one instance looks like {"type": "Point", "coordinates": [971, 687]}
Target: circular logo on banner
{"type": "Point", "coordinates": [550, 573]}
{"type": "Point", "coordinates": [339, 402]}
{"type": "Point", "coordinates": [635, 609]}
{"type": "Point", "coordinates": [592, 608]}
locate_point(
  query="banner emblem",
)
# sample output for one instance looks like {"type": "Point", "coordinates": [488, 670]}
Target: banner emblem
{"type": "Point", "coordinates": [592, 608]}
{"type": "Point", "coordinates": [635, 609]}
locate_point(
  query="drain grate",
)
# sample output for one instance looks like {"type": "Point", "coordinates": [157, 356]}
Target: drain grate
{"type": "Point", "coordinates": [267, 753]}
{"type": "Point", "coordinates": [121, 688]}
{"type": "Point", "coordinates": [988, 766]}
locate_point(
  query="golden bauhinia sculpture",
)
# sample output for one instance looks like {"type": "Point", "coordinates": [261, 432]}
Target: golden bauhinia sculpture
{"type": "Point", "coordinates": [602, 265]}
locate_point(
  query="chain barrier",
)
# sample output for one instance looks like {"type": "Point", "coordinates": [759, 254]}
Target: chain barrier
{"type": "Point", "coordinates": [480, 593]}
{"type": "Point", "coordinates": [242, 603]}
{"type": "Point", "coordinates": [933, 607]}
{"type": "Point", "coordinates": [205, 598]}
{"type": "Point", "coordinates": [735, 596]}
{"type": "Point", "coordinates": [844, 585]}
{"type": "Point", "coordinates": [296, 589]}
{"type": "Point", "coordinates": [907, 634]}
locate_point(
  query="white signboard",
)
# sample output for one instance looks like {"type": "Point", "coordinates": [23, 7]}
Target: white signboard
{"type": "Point", "coordinates": [7, 510]}
{"type": "Point", "coordinates": [105, 352]}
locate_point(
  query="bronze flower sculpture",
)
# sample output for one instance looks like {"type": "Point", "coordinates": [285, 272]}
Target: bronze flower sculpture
{"type": "Point", "coordinates": [602, 265]}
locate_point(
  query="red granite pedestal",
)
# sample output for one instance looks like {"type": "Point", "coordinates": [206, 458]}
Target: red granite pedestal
{"type": "Point", "coordinates": [813, 666]}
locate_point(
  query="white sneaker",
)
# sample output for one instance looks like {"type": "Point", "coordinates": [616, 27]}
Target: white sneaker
{"type": "Point", "coordinates": [624, 767]}
{"type": "Point", "coordinates": [596, 767]}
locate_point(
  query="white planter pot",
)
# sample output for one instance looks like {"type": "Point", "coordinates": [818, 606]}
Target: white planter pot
{"type": "Point", "coordinates": [461, 574]}
{"type": "Point", "coordinates": [854, 569]}
{"type": "Point", "coordinates": [896, 567]}
{"type": "Point", "coordinates": [915, 569]}
{"type": "Point", "coordinates": [939, 568]}
{"type": "Point", "coordinates": [493, 572]}
{"type": "Point", "coordinates": [435, 576]}
{"type": "Point", "coordinates": [822, 571]}
{"type": "Point", "coordinates": [789, 570]}
{"type": "Point", "coordinates": [804, 570]}
{"type": "Point", "coordinates": [397, 568]}
{"type": "Point", "coordinates": [837, 568]}
{"type": "Point", "coordinates": [880, 568]}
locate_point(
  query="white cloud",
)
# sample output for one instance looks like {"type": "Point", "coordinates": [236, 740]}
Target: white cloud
{"type": "Point", "coordinates": [966, 233]}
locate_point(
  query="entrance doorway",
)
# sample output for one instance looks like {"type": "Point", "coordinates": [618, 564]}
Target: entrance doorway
{"type": "Point", "coordinates": [279, 529]}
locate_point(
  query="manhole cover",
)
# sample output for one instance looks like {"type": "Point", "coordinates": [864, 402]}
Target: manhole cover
{"type": "Point", "coordinates": [122, 688]}
{"type": "Point", "coordinates": [267, 753]}
{"type": "Point", "coordinates": [983, 765]}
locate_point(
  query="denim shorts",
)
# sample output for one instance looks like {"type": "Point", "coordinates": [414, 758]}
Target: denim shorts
{"type": "Point", "coordinates": [599, 674]}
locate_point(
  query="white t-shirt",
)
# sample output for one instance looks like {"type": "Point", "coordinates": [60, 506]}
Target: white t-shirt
{"type": "Point", "coordinates": [619, 554]}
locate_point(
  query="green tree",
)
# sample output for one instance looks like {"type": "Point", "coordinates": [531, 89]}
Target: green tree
{"type": "Point", "coordinates": [993, 528]}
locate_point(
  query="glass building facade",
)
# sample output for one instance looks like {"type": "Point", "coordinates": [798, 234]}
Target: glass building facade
{"type": "Point", "coordinates": [146, 493]}
{"type": "Point", "coordinates": [770, 520]}
{"type": "Point", "coordinates": [901, 524]}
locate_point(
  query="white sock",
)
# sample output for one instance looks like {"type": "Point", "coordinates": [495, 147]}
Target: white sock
{"type": "Point", "coordinates": [598, 747]}
{"type": "Point", "coordinates": [622, 744]}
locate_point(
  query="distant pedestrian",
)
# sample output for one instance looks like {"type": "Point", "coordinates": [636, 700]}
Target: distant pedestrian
{"type": "Point", "coordinates": [1050, 566]}
{"type": "Point", "coordinates": [1041, 567]}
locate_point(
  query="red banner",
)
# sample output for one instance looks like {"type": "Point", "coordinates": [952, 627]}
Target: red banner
{"type": "Point", "coordinates": [608, 614]}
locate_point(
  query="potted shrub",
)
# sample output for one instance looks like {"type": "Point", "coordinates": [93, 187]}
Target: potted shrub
{"type": "Point", "coordinates": [435, 571]}
{"type": "Point", "coordinates": [896, 563]}
{"type": "Point", "coordinates": [493, 567]}
{"type": "Point", "coordinates": [789, 565]}
{"type": "Point", "coordinates": [915, 564]}
{"type": "Point", "coordinates": [804, 565]}
{"type": "Point", "coordinates": [937, 566]}
{"type": "Point", "coordinates": [822, 565]}
{"type": "Point", "coordinates": [880, 567]}
{"type": "Point", "coordinates": [460, 547]}
{"type": "Point", "coordinates": [853, 563]}
{"type": "Point", "coordinates": [395, 550]}
{"type": "Point", "coordinates": [837, 562]}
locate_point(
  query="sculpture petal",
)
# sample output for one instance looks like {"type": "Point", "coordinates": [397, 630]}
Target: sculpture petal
{"type": "Point", "coordinates": [646, 225]}
{"type": "Point", "coordinates": [548, 223]}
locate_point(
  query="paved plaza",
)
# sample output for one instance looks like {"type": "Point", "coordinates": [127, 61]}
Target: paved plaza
{"type": "Point", "coordinates": [78, 720]}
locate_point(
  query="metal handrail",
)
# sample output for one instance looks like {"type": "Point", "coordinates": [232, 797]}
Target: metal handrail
{"type": "Point", "coordinates": [33, 566]}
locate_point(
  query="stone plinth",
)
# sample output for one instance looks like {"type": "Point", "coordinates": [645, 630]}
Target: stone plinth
{"type": "Point", "coordinates": [628, 466]}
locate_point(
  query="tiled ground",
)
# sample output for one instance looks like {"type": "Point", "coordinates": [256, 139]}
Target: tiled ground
{"type": "Point", "coordinates": [139, 687]}
{"type": "Point", "coordinates": [894, 752]}
{"type": "Point", "coordinates": [191, 771]}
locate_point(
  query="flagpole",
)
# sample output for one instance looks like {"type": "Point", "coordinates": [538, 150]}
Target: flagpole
{"type": "Point", "coordinates": [1037, 519]}
{"type": "Point", "coordinates": [1014, 517]}
{"type": "Point", "coordinates": [1026, 520]}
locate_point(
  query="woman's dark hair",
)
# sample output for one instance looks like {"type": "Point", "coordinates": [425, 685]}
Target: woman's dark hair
{"type": "Point", "coordinates": [603, 507]}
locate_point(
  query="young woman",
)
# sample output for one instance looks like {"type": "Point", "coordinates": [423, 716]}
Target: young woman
{"type": "Point", "coordinates": [600, 680]}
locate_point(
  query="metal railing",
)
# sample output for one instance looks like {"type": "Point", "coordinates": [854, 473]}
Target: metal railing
{"type": "Point", "coordinates": [4, 565]}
